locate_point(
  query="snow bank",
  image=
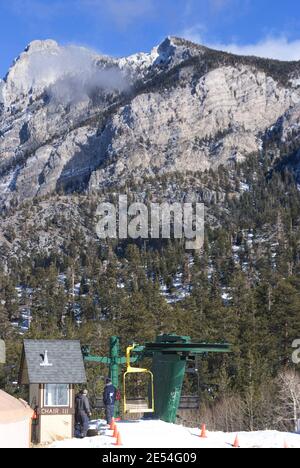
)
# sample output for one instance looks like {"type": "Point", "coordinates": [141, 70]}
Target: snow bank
{"type": "Point", "coordinates": [158, 434]}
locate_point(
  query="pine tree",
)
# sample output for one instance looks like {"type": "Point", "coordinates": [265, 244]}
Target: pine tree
{"type": "Point", "coordinates": [5, 325]}
{"type": "Point", "coordinates": [285, 324]}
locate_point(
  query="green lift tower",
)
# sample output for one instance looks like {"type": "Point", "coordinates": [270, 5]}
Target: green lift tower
{"type": "Point", "coordinates": [169, 354]}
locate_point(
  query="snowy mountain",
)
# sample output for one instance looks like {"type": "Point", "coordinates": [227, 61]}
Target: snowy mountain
{"type": "Point", "coordinates": [71, 119]}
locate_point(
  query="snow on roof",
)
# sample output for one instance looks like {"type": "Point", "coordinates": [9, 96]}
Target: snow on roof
{"type": "Point", "coordinates": [13, 410]}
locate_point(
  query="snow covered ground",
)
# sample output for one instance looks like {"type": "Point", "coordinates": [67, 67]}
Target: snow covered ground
{"type": "Point", "coordinates": [158, 434]}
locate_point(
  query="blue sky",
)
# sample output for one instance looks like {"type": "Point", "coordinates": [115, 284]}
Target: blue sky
{"type": "Point", "coordinates": [122, 27]}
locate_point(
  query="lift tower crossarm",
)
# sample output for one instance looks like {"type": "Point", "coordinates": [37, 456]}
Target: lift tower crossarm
{"type": "Point", "coordinates": [189, 348]}
{"type": "Point", "coordinates": [169, 354]}
{"type": "Point", "coordinates": [117, 360]}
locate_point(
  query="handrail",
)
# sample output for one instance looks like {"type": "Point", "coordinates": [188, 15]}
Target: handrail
{"type": "Point", "coordinates": [129, 360]}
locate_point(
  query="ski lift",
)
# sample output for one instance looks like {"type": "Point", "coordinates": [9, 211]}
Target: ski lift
{"type": "Point", "coordinates": [137, 405]}
{"type": "Point", "coordinates": [192, 402]}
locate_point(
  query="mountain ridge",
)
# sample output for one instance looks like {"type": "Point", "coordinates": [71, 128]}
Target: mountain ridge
{"type": "Point", "coordinates": [83, 121]}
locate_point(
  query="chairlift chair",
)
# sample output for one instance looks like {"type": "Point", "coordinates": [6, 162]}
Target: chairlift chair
{"type": "Point", "coordinates": [137, 405]}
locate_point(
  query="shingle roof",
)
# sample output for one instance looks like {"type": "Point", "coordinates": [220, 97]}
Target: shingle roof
{"type": "Point", "coordinates": [65, 359]}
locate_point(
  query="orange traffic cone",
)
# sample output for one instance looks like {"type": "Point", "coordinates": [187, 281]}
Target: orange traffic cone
{"type": "Point", "coordinates": [112, 424]}
{"type": "Point", "coordinates": [116, 432]}
{"type": "Point", "coordinates": [236, 442]}
{"type": "Point", "coordinates": [203, 434]}
{"type": "Point", "coordinates": [119, 442]}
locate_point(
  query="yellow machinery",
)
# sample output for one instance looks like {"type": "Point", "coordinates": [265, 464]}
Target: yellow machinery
{"type": "Point", "coordinates": [137, 405]}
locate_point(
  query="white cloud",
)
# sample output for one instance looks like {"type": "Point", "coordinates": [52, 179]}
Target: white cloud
{"type": "Point", "coordinates": [276, 48]}
{"type": "Point", "coordinates": [70, 74]}
{"type": "Point", "coordinates": [279, 48]}
{"type": "Point", "coordinates": [194, 33]}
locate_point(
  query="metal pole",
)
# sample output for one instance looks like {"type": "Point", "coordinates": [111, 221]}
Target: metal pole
{"type": "Point", "coordinates": [2, 352]}
{"type": "Point", "coordinates": [114, 367]}
{"type": "Point", "coordinates": [169, 371]}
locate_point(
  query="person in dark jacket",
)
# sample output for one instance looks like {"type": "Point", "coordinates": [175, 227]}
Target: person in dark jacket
{"type": "Point", "coordinates": [109, 400]}
{"type": "Point", "coordinates": [82, 412]}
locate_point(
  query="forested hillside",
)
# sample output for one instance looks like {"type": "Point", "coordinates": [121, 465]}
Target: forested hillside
{"type": "Point", "coordinates": [243, 288]}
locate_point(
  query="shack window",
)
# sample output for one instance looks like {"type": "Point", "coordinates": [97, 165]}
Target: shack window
{"type": "Point", "coordinates": [56, 395]}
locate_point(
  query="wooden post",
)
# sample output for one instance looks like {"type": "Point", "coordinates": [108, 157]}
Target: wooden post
{"type": "Point", "coordinates": [2, 352]}
{"type": "Point", "coordinates": [30, 432]}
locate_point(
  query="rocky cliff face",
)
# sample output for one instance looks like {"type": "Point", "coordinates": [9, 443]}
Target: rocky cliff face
{"type": "Point", "coordinates": [73, 120]}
